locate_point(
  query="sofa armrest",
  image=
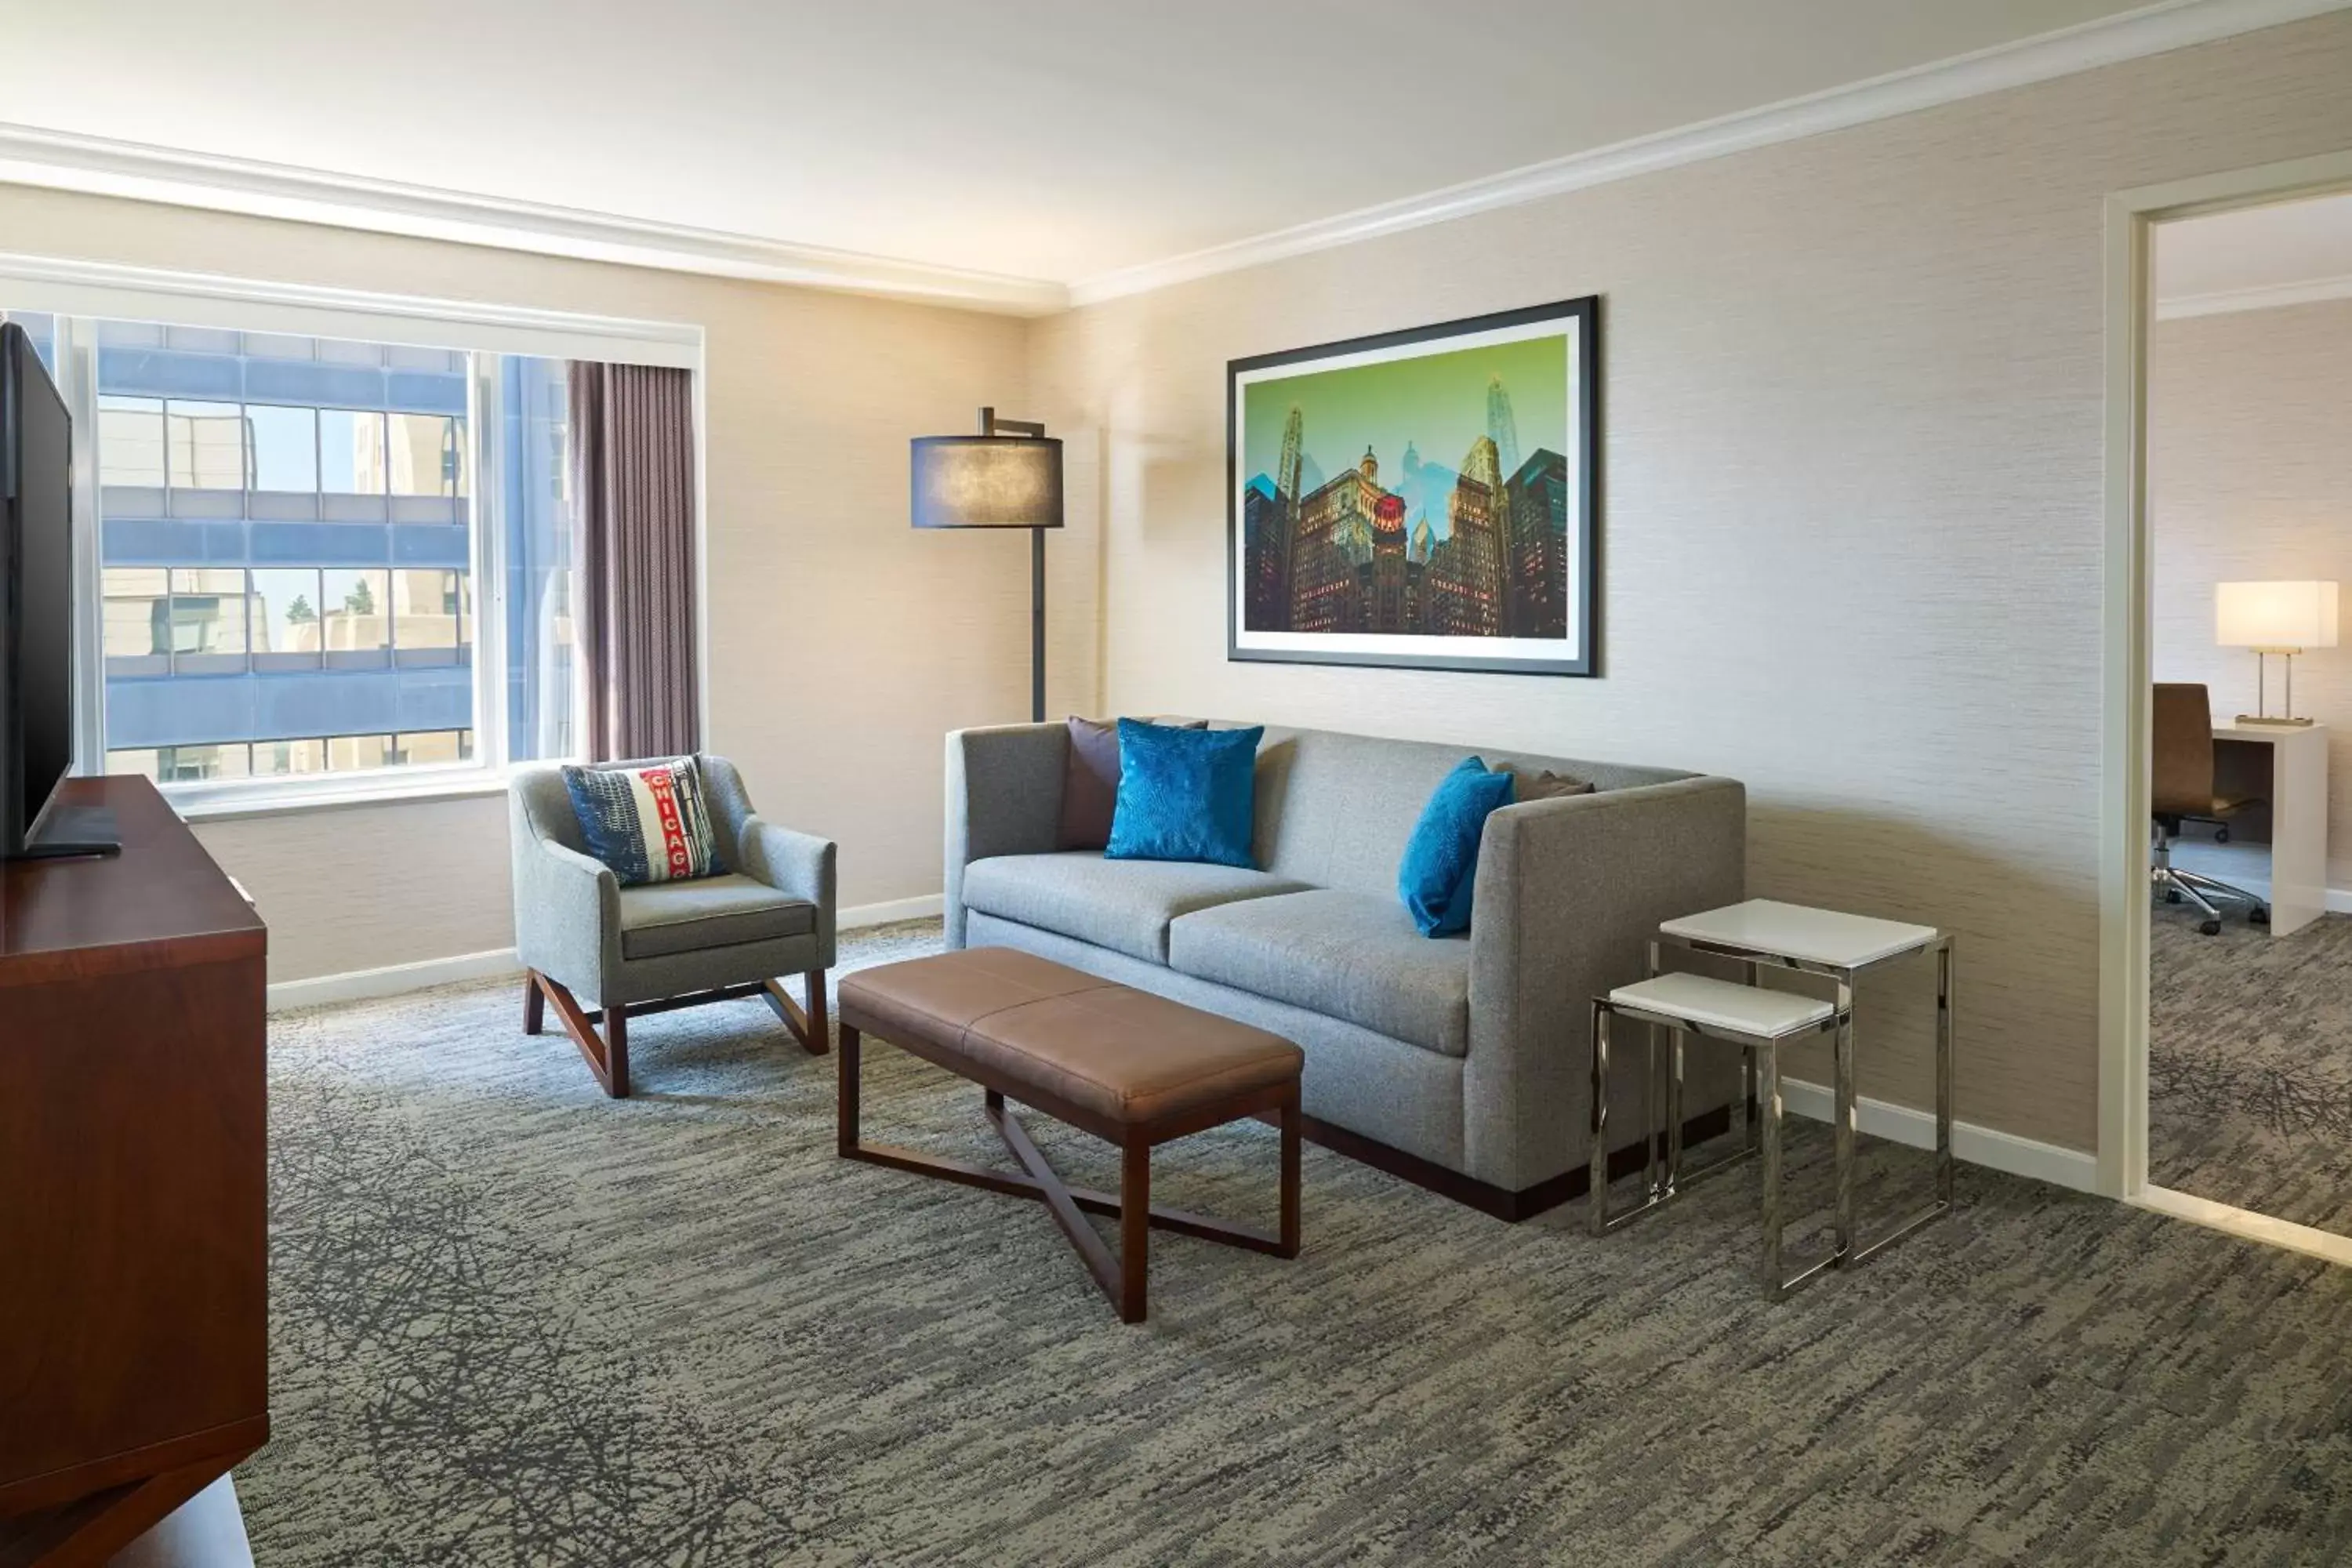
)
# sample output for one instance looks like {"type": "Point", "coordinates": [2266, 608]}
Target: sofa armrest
{"type": "Point", "coordinates": [1569, 893]}
{"type": "Point", "coordinates": [1005, 797]}
{"type": "Point", "coordinates": [567, 916]}
{"type": "Point", "coordinates": [800, 864]}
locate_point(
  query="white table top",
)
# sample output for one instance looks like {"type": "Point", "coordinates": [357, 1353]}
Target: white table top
{"type": "Point", "coordinates": [1792, 930]}
{"type": "Point", "coordinates": [2229, 729]}
{"type": "Point", "coordinates": [1748, 1009]}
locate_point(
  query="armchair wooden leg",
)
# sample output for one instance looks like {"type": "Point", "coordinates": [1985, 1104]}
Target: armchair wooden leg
{"type": "Point", "coordinates": [607, 1057]}
{"type": "Point", "coordinates": [819, 1035]}
{"type": "Point", "coordinates": [534, 1004]}
{"type": "Point", "coordinates": [808, 1026]}
{"type": "Point", "coordinates": [617, 1050]}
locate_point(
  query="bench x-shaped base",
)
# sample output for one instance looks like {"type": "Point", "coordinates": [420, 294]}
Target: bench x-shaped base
{"type": "Point", "coordinates": [1122, 1278]}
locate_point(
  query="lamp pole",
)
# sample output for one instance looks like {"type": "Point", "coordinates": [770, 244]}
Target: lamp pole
{"type": "Point", "coordinates": [990, 424]}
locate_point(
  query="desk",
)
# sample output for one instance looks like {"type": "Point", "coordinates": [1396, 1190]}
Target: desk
{"type": "Point", "coordinates": [2287, 765]}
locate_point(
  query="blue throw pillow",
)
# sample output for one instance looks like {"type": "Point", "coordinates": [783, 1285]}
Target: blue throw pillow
{"type": "Point", "coordinates": [1441, 858]}
{"type": "Point", "coordinates": [1185, 794]}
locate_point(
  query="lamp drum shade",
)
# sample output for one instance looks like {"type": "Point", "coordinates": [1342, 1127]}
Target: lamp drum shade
{"type": "Point", "coordinates": [987, 481]}
{"type": "Point", "coordinates": [2275, 615]}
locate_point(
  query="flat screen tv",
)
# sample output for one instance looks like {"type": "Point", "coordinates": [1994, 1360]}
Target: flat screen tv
{"type": "Point", "coordinates": [37, 681]}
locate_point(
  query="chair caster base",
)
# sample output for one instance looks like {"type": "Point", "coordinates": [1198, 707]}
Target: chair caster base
{"type": "Point", "coordinates": [2210, 927]}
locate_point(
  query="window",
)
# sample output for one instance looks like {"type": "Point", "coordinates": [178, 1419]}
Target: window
{"type": "Point", "coordinates": [291, 545]}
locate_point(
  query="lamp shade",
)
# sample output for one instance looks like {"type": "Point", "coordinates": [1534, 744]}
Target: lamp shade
{"type": "Point", "coordinates": [987, 481]}
{"type": "Point", "coordinates": [2275, 615]}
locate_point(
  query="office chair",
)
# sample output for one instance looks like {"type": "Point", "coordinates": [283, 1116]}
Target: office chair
{"type": "Point", "coordinates": [2183, 789]}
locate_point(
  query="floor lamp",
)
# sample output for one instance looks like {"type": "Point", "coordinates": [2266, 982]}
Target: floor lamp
{"type": "Point", "coordinates": [1008, 475]}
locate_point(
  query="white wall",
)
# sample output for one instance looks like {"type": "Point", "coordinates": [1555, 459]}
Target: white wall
{"type": "Point", "coordinates": [2250, 479]}
{"type": "Point", "coordinates": [1853, 505]}
{"type": "Point", "coordinates": [842, 643]}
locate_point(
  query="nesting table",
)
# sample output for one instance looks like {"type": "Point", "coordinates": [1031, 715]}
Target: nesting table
{"type": "Point", "coordinates": [1759, 934]}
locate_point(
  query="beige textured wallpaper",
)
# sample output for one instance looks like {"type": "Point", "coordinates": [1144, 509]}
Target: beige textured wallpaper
{"type": "Point", "coordinates": [2250, 479]}
{"type": "Point", "coordinates": [1851, 523]}
{"type": "Point", "coordinates": [842, 643]}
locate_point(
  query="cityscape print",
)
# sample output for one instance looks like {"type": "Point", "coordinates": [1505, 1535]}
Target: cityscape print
{"type": "Point", "coordinates": [1419, 491]}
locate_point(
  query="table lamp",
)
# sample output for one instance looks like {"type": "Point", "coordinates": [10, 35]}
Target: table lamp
{"type": "Point", "coordinates": [2281, 619]}
{"type": "Point", "coordinates": [1008, 475]}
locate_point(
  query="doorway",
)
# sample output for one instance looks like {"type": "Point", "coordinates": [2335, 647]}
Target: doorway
{"type": "Point", "coordinates": [2227, 972]}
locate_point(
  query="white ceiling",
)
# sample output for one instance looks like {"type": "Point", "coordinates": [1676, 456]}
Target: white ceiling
{"type": "Point", "coordinates": [1044, 139]}
{"type": "Point", "coordinates": [2273, 254]}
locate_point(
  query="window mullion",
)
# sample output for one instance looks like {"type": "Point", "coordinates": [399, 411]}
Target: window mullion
{"type": "Point", "coordinates": [484, 410]}
{"type": "Point", "coordinates": [77, 357]}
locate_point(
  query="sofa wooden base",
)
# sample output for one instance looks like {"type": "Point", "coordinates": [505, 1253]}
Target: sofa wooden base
{"type": "Point", "coordinates": [607, 1054]}
{"type": "Point", "coordinates": [1502, 1202]}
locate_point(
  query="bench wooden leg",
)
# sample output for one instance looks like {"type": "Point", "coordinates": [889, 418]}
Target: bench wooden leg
{"type": "Point", "coordinates": [1134, 1226]}
{"type": "Point", "coordinates": [1291, 1117]}
{"type": "Point", "coordinates": [845, 1127]}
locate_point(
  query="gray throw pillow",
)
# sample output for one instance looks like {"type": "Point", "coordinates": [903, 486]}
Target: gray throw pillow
{"type": "Point", "coordinates": [1090, 781]}
{"type": "Point", "coordinates": [1527, 785]}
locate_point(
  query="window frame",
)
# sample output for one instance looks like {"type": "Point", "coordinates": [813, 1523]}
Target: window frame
{"type": "Point", "coordinates": [79, 295]}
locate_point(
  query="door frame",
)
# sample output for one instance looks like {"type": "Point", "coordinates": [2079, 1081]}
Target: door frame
{"type": "Point", "coordinates": [2124, 903]}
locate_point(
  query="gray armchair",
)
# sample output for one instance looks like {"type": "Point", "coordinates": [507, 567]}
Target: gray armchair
{"type": "Point", "coordinates": [601, 952]}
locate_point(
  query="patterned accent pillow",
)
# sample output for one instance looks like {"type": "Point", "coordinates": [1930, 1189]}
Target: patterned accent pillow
{"type": "Point", "coordinates": [650, 824]}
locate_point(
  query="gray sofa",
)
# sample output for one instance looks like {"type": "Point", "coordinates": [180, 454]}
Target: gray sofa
{"type": "Point", "coordinates": [1460, 1063]}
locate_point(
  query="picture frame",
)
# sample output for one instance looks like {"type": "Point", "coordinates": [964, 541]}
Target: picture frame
{"type": "Point", "coordinates": [1326, 564]}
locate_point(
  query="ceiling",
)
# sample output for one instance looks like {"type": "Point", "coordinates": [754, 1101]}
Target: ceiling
{"type": "Point", "coordinates": [1055, 139]}
{"type": "Point", "coordinates": [2276, 254]}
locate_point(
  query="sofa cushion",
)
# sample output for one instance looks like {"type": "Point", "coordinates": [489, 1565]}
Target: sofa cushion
{"type": "Point", "coordinates": [1345, 955]}
{"type": "Point", "coordinates": [1124, 905]}
{"type": "Point", "coordinates": [663, 918]}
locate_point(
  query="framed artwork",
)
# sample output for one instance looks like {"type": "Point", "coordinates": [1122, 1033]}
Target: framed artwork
{"type": "Point", "coordinates": [1421, 499]}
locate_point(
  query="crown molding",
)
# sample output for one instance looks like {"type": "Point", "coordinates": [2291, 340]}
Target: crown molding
{"type": "Point", "coordinates": [2304, 291]}
{"type": "Point", "coordinates": [99, 165]}
{"type": "Point", "coordinates": [102, 166]}
{"type": "Point", "coordinates": [2152, 30]}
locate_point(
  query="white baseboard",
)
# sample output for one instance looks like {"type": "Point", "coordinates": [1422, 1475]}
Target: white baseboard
{"type": "Point", "coordinates": [361, 984]}
{"type": "Point", "coordinates": [1985, 1146]}
{"type": "Point", "coordinates": [927, 907]}
{"type": "Point", "coordinates": [393, 979]}
{"type": "Point", "coordinates": [2313, 1243]}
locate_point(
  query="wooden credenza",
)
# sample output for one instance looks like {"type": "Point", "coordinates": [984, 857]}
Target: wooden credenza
{"type": "Point", "coordinates": [133, 1198]}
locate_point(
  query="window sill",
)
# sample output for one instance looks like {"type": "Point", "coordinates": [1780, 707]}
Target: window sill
{"type": "Point", "coordinates": [201, 805]}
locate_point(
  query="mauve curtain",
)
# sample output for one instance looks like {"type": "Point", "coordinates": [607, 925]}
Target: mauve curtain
{"type": "Point", "coordinates": [632, 475]}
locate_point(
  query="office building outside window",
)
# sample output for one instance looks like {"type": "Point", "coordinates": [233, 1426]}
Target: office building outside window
{"type": "Point", "coordinates": [290, 544]}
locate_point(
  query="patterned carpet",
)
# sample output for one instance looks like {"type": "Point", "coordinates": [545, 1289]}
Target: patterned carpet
{"type": "Point", "coordinates": [2250, 1064]}
{"type": "Point", "coordinates": [517, 1323]}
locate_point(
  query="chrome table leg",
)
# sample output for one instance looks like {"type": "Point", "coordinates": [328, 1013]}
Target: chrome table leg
{"type": "Point", "coordinates": [1674, 1114]}
{"type": "Point", "coordinates": [1844, 1109]}
{"type": "Point", "coordinates": [1944, 1073]}
{"type": "Point", "coordinates": [1768, 1070]}
{"type": "Point", "coordinates": [1599, 1198]}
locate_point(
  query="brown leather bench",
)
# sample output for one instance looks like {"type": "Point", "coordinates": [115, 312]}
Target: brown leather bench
{"type": "Point", "coordinates": [1132, 1068]}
